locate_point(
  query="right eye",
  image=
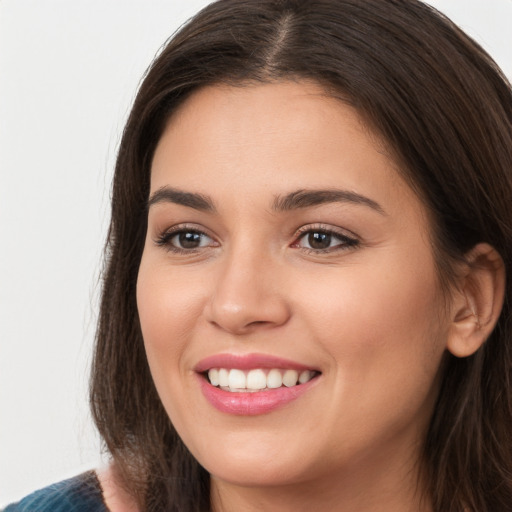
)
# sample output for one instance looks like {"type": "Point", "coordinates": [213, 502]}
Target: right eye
{"type": "Point", "coordinates": [185, 240]}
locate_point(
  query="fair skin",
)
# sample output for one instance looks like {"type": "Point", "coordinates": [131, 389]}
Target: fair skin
{"type": "Point", "coordinates": [115, 497]}
{"type": "Point", "coordinates": [340, 282]}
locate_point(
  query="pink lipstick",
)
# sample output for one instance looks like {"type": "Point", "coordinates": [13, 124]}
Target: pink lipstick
{"type": "Point", "coordinates": [254, 383]}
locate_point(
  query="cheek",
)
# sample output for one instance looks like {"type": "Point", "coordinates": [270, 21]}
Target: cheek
{"type": "Point", "coordinates": [168, 306]}
{"type": "Point", "coordinates": [374, 301]}
{"type": "Point", "coordinates": [386, 344]}
{"type": "Point", "coordinates": [166, 300]}
{"type": "Point", "coordinates": [383, 327]}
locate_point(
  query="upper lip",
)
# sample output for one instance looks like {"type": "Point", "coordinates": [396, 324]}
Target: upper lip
{"type": "Point", "coordinates": [248, 362]}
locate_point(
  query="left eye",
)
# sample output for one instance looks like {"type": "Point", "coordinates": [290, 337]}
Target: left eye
{"type": "Point", "coordinates": [320, 240]}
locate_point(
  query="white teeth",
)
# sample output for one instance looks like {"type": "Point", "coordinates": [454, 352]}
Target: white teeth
{"type": "Point", "coordinates": [223, 377]}
{"type": "Point", "coordinates": [274, 379]}
{"type": "Point", "coordinates": [290, 378]}
{"type": "Point", "coordinates": [305, 376]}
{"type": "Point", "coordinates": [256, 379]}
{"type": "Point", "coordinates": [213, 375]}
{"type": "Point", "coordinates": [237, 379]}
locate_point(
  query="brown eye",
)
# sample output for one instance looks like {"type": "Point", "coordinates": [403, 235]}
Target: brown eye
{"type": "Point", "coordinates": [319, 240]}
{"type": "Point", "coordinates": [188, 240]}
{"type": "Point", "coordinates": [185, 240]}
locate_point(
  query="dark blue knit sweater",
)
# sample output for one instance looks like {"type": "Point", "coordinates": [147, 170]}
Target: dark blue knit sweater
{"type": "Point", "coordinates": [79, 494]}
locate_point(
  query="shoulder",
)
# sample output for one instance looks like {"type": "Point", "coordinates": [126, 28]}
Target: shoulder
{"type": "Point", "coordinates": [79, 494]}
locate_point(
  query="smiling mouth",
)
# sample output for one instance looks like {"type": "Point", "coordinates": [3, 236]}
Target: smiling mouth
{"type": "Point", "coordinates": [250, 381]}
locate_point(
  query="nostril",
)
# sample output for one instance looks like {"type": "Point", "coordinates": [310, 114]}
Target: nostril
{"type": "Point", "coordinates": [258, 322]}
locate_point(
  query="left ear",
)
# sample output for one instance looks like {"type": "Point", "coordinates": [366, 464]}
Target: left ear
{"type": "Point", "coordinates": [477, 301]}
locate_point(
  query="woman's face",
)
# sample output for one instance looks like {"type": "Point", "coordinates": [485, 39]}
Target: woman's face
{"type": "Point", "coordinates": [283, 246]}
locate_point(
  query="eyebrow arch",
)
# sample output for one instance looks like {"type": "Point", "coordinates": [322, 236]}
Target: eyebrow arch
{"type": "Point", "coordinates": [307, 198]}
{"type": "Point", "coordinates": [190, 199]}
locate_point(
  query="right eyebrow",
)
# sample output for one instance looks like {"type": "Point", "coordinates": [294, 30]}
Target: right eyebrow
{"type": "Point", "coordinates": [190, 199]}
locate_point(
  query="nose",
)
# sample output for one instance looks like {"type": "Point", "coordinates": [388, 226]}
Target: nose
{"type": "Point", "coordinates": [248, 295]}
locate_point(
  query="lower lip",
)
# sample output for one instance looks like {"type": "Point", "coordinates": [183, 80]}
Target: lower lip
{"type": "Point", "coordinates": [251, 404]}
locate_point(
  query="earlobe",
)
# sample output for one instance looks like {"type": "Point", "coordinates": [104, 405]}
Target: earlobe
{"type": "Point", "coordinates": [478, 301]}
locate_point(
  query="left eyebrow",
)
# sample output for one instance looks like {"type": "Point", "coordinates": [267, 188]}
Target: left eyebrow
{"type": "Point", "coordinates": [307, 198]}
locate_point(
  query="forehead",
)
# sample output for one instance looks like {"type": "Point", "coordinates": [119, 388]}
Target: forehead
{"type": "Point", "coordinates": [273, 137]}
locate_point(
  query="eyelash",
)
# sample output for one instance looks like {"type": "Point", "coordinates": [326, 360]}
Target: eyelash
{"type": "Point", "coordinates": [164, 240]}
{"type": "Point", "coordinates": [346, 242]}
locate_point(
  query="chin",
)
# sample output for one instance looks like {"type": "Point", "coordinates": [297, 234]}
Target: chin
{"type": "Point", "coordinates": [261, 458]}
{"type": "Point", "coordinates": [261, 472]}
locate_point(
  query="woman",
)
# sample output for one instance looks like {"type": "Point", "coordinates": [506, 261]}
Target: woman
{"type": "Point", "coordinates": [305, 302]}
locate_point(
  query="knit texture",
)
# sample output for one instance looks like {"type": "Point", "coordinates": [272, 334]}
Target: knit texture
{"type": "Point", "coordinates": [79, 494]}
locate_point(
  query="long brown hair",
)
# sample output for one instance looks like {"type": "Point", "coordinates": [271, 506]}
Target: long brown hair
{"type": "Point", "coordinates": [445, 111]}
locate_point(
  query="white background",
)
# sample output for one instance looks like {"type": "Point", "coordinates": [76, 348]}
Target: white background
{"type": "Point", "coordinates": [68, 73]}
